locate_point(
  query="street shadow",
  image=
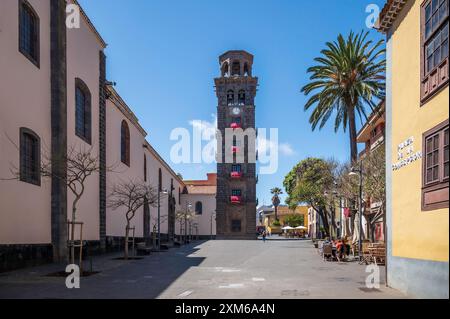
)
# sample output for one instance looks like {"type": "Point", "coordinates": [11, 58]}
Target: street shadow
{"type": "Point", "coordinates": [118, 279]}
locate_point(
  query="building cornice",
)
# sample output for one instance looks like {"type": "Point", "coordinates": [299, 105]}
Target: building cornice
{"type": "Point", "coordinates": [90, 24]}
{"type": "Point", "coordinates": [389, 14]}
{"type": "Point", "coordinates": [150, 148]}
{"type": "Point", "coordinates": [117, 100]}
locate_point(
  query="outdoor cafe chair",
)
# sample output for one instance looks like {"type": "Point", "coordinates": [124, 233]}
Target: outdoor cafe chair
{"type": "Point", "coordinates": [327, 252]}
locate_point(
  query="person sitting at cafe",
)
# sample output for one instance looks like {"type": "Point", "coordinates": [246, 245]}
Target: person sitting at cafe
{"type": "Point", "coordinates": [346, 246]}
{"type": "Point", "coordinates": [342, 248]}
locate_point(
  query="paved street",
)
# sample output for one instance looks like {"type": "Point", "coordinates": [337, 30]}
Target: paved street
{"type": "Point", "coordinates": [211, 269]}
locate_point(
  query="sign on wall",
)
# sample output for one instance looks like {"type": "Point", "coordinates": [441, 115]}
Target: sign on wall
{"type": "Point", "coordinates": [406, 154]}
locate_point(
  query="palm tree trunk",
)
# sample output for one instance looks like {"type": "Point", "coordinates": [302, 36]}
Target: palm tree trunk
{"type": "Point", "coordinates": [352, 129]}
{"type": "Point", "coordinates": [276, 213]}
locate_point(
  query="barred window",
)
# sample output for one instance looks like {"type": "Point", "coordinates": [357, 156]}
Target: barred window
{"type": "Point", "coordinates": [434, 41]}
{"type": "Point", "coordinates": [82, 111]}
{"type": "Point", "coordinates": [30, 157]}
{"type": "Point", "coordinates": [435, 167]}
{"type": "Point", "coordinates": [236, 168]}
{"type": "Point", "coordinates": [437, 49]}
{"type": "Point", "coordinates": [28, 32]}
{"type": "Point", "coordinates": [125, 143]}
{"type": "Point", "coordinates": [435, 13]}
{"type": "Point", "coordinates": [446, 160]}
{"type": "Point", "coordinates": [432, 158]}
{"type": "Point", "coordinates": [236, 192]}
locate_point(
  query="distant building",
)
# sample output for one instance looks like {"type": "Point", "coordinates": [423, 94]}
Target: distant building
{"type": "Point", "coordinates": [201, 195]}
{"type": "Point", "coordinates": [283, 212]}
{"type": "Point", "coordinates": [57, 98]}
{"type": "Point", "coordinates": [372, 135]}
{"type": "Point", "coordinates": [261, 213]}
{"type": "Point", "coordinates": [315, 224]}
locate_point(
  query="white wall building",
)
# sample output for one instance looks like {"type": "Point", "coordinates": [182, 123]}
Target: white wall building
{"type": "Point", "coordinates": [54, 98]}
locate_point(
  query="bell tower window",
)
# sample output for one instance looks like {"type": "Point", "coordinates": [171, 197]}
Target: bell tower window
{"type": "Point", "coordinates": [236, 68]}
{"type": "Point", "coordinates": [246, 70]}
{"type": "Point", "coordinates": [241, 97]}
{"type": "Point", "coordinates": [225, 70]}
{"type": "Point", "coordinates": [230, 97]}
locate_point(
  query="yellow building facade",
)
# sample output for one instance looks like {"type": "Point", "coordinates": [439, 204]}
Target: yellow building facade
{"type": "Point", "coordinates": [417, 113]}
{"type": "Point", "coordinates": [283, 212]}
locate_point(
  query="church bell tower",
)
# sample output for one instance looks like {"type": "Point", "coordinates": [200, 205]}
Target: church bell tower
{"type": "Point", "coordinates": [236, 178]}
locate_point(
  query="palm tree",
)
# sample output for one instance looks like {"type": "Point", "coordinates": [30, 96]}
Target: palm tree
{"type": "Point", "coordinates": [350, 75]}
{"type": "Point", "coordinates": [276, 192]}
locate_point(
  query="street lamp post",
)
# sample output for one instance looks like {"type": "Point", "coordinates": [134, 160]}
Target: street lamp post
{"type": "Point", "coordinates": [213, 215]}
{"type": "Point", "coordinates": [160, 191]}
{"type": "Point", "coordinates": [188, 206]}
{"type": "Point", "coordinates": [195, 231]}
{"type": "Point", "coordinates": [359, 171]}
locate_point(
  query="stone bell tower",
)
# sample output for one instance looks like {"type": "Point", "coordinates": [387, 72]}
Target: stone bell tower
{"type": "Point", "coordinates": [236, 178]}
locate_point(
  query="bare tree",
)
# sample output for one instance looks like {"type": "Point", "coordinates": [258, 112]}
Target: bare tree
{"type": "Point", "coordinates": [131, 196]}
{"type": "Point", "coordinates": [183, 217]}
{"type": "Point", "coordinates": [80, 164]}
{"type": "Point", "coordinates": [154, 224]}
{"type": "Point", "coordinates": [179, 217]}
{"type": "Point", "coordinates": [374, 167]}
{"type": "Point", "coordinates": [374, 186]}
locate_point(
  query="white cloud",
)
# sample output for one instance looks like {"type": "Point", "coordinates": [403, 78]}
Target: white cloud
{"type": "Point", "coordinates": [286, 149]}
{"type": "Point", "coordinates": [267, 146]}
{"type": "Point", "coordinates": [206, 128]}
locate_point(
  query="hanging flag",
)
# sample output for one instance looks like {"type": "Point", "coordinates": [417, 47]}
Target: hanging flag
{"type": "Point", "coordinates": [347, 212]}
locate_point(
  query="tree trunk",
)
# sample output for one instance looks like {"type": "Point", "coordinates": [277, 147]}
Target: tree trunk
{"type": "Point", "coordinates": [370, 227]}
{"type": "Point", "coordinates": [72, 230]}
{"type": "Point", "coordinates": [276, 212]}
{"type": "Point", "coordinates": [352, 133]}
{"type": "Point", "coordinates": [323, 214]}
{"type": "Point", "coordinates": [127, 230]}
{"type": "Point", "coordinates": [333, 220]}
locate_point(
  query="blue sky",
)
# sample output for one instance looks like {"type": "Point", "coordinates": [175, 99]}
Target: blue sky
{"type": "Point", "coordinates": [164, 56]}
